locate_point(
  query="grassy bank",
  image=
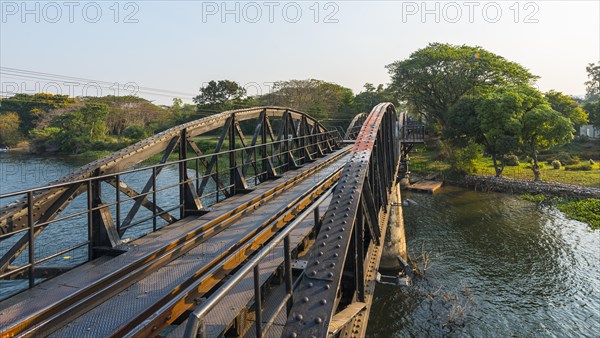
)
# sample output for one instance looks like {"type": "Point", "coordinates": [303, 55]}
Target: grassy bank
{"type": "Point", "coordinates": [425, 162]}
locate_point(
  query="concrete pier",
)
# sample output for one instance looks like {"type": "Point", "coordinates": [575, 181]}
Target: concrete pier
{"type": "Point", "coordinates": [395, 241]}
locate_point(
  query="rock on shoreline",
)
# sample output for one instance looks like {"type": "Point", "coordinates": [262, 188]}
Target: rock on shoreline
{"type": "Point", "coordinates": [510, 185]}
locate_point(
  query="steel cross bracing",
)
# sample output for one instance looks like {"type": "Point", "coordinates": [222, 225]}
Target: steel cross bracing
{"type": "Point", "coordinates": [337, 275]}
{"type": "Point", "coordinates": [282, 139]}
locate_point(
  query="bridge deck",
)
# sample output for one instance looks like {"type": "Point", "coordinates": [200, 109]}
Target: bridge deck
{"type": "Point", "coordinates": [129, 303]}
{"type": "Point", "coordinates": [222, 316]}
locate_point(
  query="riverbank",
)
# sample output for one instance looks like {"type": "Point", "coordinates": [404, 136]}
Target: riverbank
{"type": "Point", "coordinates": [518, 186]}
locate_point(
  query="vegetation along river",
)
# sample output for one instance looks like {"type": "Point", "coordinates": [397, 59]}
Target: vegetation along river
{"type": "Point", "coordinates": [495, 265]}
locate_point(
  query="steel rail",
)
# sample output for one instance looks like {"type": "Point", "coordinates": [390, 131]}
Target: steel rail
{"type": "Point", "coordinates": [95, 293]}
{"type": "Point", "coordinates": [195, 322]}
{"type": "Point", "coordinates": [157, 318]}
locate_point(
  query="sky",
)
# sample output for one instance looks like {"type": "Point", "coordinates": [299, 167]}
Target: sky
{"type": "Point", "coordinates": [165, 49]}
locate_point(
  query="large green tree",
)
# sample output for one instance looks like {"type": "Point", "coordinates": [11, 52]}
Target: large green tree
{"type": "Point", "coordinates": [78, 129]}
{"type": "Point", "coordinates": [434, 78]}
{"type": "Point", "coordinates": [493, 119]}
{"type": "Point", "coordinates": [567, 107]}
{"type": "Point", "coordinates": [544, 128]}
{"type": "Point", "coordinates": [219, 95]}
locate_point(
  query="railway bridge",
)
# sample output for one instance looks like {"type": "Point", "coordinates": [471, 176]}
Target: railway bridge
{"type": "Point", "coordinates": [253, 222]}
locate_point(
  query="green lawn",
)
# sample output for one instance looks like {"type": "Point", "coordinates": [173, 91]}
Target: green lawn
{"type": "Point", "coordinates": [424, 162]}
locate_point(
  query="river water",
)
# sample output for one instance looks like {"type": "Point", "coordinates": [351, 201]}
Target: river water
{"type": "Point", "coordinates": [494, 265]}
{"type": "Point", "coordinates": [497, 266]}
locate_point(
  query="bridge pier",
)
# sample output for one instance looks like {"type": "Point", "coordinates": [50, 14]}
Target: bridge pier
{"type": "Point", "coordinates": [395, 241]}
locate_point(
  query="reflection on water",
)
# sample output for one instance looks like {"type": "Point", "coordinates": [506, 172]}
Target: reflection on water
{"type": "Point", "coordinates": [498, 266]}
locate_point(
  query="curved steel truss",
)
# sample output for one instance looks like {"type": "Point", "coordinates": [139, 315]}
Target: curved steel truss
{"type": "Point", "coordinates": [279, 139]}
{"type": "Point", "coordinates": [339, 274]}
{"type": "Point", "coordinates": [355, 126]}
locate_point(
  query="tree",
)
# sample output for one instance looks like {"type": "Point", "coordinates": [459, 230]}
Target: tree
{"type": "Point", "coordinates": [593, 82]}
{"type": "Point", "coordinates": [218, 94]}
{"type": "Point", "coordinates": [127, 111]}
{"type": "Point", "coordinates": [31, 108]}
{"type": "Point", "coordinates": [434, 78]}
{"type": "Point", "coordinates": [593, 109]}
{"type": "Point", "coordinates": [80, 128]}
{"type": "Point", "coordinates": [493, 119]}
{"type": "Point", "coordinates": [370, 97]}
{"type": "Point", "coordinates": [592, 103]}
{"type": "Point", "coordinates": [322, 100]}
{"type": "Point", "coordinates": [544, 128]}
{"type": "Point", "coordinates": [9, 129]}
{"type": "Point", "coordinates": [567, 107]}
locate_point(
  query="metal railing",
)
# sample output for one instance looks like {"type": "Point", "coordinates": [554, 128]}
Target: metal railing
{"type": "Point", "coordinates": [412, 133]}
{"type": "Point", "coordinates": [196, 324]}
{"type": "Point", "coordinates": [253, 170]}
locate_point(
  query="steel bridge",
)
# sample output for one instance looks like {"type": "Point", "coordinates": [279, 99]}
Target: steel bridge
{"type": "Point", "coordinates": [253, 222]}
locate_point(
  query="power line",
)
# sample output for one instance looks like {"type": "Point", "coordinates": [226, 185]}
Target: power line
{"type": "Point", "coordinates": [32, 75]}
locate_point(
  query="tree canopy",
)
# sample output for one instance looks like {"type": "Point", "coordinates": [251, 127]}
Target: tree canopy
{"type": "Point", "coordinates": [32, 108]}
{"type": "Point", "coordinates": [592, 97]}
{"type": "Point", "coordinates": [217, 94]}
{"type": "Point", "coordinates": [434, 78]}
{"type": "Point", "coordinates": [567, 107]}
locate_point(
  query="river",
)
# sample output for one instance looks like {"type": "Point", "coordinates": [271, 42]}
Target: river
{"type": "Point", "coordinates": [495, 265]}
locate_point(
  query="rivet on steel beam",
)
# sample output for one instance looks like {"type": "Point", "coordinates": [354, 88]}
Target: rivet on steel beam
{"type": "Point", "coordinates": [327, 288]}
{"type": "Point", "coordinates": [310, 285]}
{"type": "Point", "coordinates": [321, 253]}
{"type": "Point", "coordinates": [305, 299]}
{"type": "Point", "coordinates": [318, 320]}
{"type": "Point", "coordinates": [299, 317]}
{"type": "Point", "coordinates": [317, 262]}
{"type": "Point", "coordinates": [323, 301]}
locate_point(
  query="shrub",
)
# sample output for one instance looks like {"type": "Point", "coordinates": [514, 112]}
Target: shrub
{"type": "Point", "coordinates": [581, 167]}
{"type": "Point", "coordinates": [556, 164]}
{"type": "Point", "coordinates": [135, 132]}
{"type": "Point", "coordinates": [510, 160]}
{"type": "Point", "coordinates": [463, 161]}
{"type": "Point", "coordinates": [567, 159]}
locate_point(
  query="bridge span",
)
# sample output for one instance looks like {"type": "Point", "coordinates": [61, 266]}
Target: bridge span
{"type": "Point", "coordinates": [203, 231]}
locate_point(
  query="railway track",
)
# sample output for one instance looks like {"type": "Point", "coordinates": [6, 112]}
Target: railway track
{"type": "Point", "coordinates": [54, 317]}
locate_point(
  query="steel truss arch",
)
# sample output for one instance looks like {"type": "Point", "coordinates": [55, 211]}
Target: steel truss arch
{"type": "Point", "coordinates": [293, 138]}
{"type": "Point", "coordinates": [347, 246]}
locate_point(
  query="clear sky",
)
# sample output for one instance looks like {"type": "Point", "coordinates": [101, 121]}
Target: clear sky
{"type": "Point", "coordinates": [179, 45]}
